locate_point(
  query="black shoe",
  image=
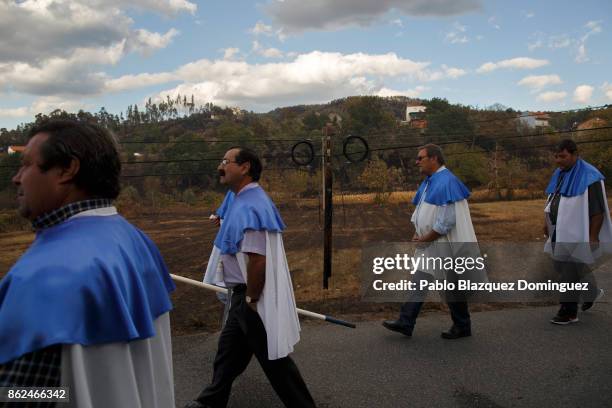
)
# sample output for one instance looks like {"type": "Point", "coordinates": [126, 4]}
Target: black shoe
{"type": "Point", "coordinates": [564, 319]}
{"type": "Point", "coordinates": [455, 333]}
{"type": "Point", "coordinates": [194, 404]}
{"type": "Point", "coordinates": [587, 305]}
{"type": "Point", "coordinates": [397, 326]}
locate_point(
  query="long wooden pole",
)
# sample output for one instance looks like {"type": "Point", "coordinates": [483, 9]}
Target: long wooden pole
{"type": "Point", "coordinates": [302, 312]}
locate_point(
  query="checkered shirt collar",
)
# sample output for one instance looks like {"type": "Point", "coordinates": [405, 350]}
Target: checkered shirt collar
{"type": "Point", "coordinates": [63, 213]}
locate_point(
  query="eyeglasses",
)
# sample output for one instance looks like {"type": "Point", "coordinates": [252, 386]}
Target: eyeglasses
{"type": "Point", "coordinates": [225, 162]}
{"type": "Point", "coordinates": [419, 158]}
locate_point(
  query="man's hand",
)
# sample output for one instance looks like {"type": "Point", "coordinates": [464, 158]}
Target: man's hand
{"type": "Point", "coordinates": [429, 237]}
{"type": "Point", "coordinates": [215, 220]}
{"type": "Point", "coordinates": [253, 306]}
{"type": "Point", "coordinates": [545, 230]}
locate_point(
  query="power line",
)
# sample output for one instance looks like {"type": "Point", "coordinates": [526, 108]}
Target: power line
{"type": "Point", "coordinates": [476, 136]}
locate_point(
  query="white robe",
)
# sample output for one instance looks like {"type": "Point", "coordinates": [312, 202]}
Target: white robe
{"type": "Point", "coordinates": [276, 305]}
{"type": "Point", "coordinates": [136, 374]}
{"type": "Point", "coordinates": [572, 230]}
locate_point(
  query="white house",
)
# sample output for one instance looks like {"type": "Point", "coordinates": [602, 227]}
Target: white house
{"type": "Point", "coordinates": [534, 119]}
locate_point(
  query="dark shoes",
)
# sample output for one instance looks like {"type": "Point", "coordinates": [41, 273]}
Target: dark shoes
{"type": "Point", "coordinates": [564, 319]}
{"type": "Point", "coordinates": [397, 326]}
{"type": "Point", "coordinates": [587, 305]}
{"type": "Point", "coordinates": [455, 333]}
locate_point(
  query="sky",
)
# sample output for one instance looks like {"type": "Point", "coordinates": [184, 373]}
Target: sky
{"type": "Point", "coordinates": [88, 54]}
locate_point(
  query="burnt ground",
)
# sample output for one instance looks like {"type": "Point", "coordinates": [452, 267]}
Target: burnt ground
{"type": "Point", "coordinates": [185, 235]}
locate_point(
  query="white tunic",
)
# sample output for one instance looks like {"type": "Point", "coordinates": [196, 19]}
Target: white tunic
{"type": "Point", "coordinates": [572, 230]}
{"type": "Point", "coordinates": [136, 374]}
{"type": "Point", "coordinates": [276, 305]}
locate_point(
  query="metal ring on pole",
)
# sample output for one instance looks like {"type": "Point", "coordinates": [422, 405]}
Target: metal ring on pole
{"type": "Point", "coordinates": [303, 161]}
{"type": "Point", "coordinates": [364, 152]}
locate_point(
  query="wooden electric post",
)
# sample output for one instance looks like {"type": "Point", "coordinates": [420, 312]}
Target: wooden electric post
{"type": "Point", "coordinates": [327, 203]}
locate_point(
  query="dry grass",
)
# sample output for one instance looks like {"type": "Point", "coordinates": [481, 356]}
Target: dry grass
{"type": "Point", "coordinates": [401, 197]}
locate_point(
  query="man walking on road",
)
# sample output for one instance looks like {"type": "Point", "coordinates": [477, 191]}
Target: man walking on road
{"type": "Point", "coordinates": [578, 227]}
{"type": "Point", "coordinates": [262, 318]}
{"type": "Point", "coordinates": [441, 216]}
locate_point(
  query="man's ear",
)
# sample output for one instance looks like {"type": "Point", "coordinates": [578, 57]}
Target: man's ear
{"type": "Point", "coordinates": [248, 167]}
{"type": "Point", "coordinates": [68, 174]}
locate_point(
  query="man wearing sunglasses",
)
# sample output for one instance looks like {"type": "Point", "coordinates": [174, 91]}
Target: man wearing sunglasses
{"type": "Point", "coordinates": [441, 216]}
{"type": "Point", "coordinates": [262, 318]}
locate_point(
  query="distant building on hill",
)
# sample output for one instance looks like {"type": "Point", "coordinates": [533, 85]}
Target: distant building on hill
{"type": "Point", "coordinates": [535, 119]}
{"type": "Point", "coordinates": [415, 117]}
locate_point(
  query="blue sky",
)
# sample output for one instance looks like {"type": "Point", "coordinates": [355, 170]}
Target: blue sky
{"type": "Point", "coordinates": [84, 54]}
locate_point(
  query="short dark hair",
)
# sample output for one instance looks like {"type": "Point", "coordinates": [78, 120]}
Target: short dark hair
{"type": "Point", "coordinates": [434, 151]}
{"type": "Point", "coordinates": [247, 155]}
{"type": "Point", "coordinates": [94, 147]}
{"type": "Point", "coordinates": [567, 144]}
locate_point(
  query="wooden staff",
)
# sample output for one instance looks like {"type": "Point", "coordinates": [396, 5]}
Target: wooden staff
{"type": "Point", "coordinates": [300, 311]}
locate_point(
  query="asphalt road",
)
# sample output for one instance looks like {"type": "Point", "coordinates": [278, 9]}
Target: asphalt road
{"type": "Point", "coordinates": [515, 358]}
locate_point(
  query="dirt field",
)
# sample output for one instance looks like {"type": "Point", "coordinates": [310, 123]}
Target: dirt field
{"type": "Point", "coordinates": [185, 237]}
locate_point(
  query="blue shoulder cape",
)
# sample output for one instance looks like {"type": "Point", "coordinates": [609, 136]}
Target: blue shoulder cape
{"type": "Point", "coordinates": [251, 210]}
{"type": "Point", "coordinates": [225, 205]}
{"type": "Point", "coordinates": [576, 180]}
{"type": "Point", "coordinates": [88, 280]}
{"type": "Point", "coordinates": [443, 187]}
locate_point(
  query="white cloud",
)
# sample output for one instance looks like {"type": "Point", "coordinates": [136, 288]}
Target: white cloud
{"type": "Point", "coordinates": [453, 73]}
{"type": "Point", "coordinates": [43, 105]}
{"type": "Point", "coordinates": [398, 22]}
{"type": "Point", "coordinates": [593, 27]}
{"type": "Point", "coordinates": [411, 93]}
{"type": "Point", "coordinates": [145, 41]}
{"type": "Point", "coordinates": [128, 82]}
{"type": "Point", "coordinates": [538, 82]}
{"type": "Point", "coordinates": [58, 47]}
{"type": "Point", "coordinates": [535, 45]}
{"type": "Point", "coordinates": [266, 52]}
{"type": "Point", "coordinates": [607, 89]}
{"type": "Point", "coordinates": [514, 63]}
{"type": "Point", "coordinates": [62, 76]}
{"type": "Point", "coordinates": [229, 53]}
{"type": "Point", "coordinates": [308, 78]}
{"type": "Point", "coordinates": [529, 14]}
{"type": "Point", "coordinates": [583, 93]}
{"type": "Point", "coordinates": [300, 15]}
{"type": "Point", "coordinates": [261, 28]}
{"type": "Point", "coordinates": [559, 41]}
{"type": "Point", "coordinates": [15, 112]}
{"type": "Point", "coordinates": [551, 96]}
{"type": "Point", "coordinates": [457, 35]}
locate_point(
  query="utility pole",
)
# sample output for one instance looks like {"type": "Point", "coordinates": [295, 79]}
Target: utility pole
{"type": "Point", "coordinates": [327, 172]}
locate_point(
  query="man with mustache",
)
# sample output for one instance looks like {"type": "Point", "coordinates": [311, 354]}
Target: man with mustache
{"type": "Point", "coordinates": [87, 306]}
{"type": "Point", "coordinates": [262, 318]}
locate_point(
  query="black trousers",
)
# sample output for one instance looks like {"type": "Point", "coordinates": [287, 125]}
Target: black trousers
{"type": "Point", "coordinates": [244, 335]}
{"type": "Point", "coordinates": [573, 272]}
{"type": "Point", "coordinates": [456, 301]}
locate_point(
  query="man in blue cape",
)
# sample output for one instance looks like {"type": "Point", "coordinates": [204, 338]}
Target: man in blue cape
{"type": "Point", "coordinates": [441, 216]}
{"type": "Point", "coordinates": [262, 318]}
{"type": "Point", "coordinates": [578, 227]}
{"type": "Point", "coordinates": [87, 306]}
